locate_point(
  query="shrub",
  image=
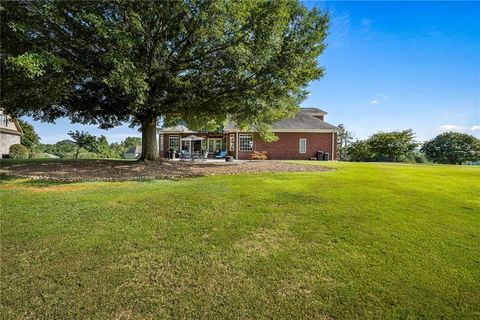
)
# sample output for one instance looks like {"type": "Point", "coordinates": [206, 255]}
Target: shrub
{"type": "Point", "coordinates": [18, 151]}
{"type": "Point", "coordinates": [259, 155]}
{"type": "Point", "coordinates": [452, 148]}
{"type": "Point", "coordinates": [359, 151]}
{"type": "Point", "coordinates": [420, 158]}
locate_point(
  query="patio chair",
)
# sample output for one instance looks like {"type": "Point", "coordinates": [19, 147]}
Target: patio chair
{"type": "Point", "coordinates": [221, 155]}
{"type": "Point", "coordinates": [204, 155]}
{"type": "Point", "coordinates": [184, 155]}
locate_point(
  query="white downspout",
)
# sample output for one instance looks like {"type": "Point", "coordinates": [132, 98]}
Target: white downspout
{"type": "Point", "coordinates": [333, 144]}
{"type": "Point", "coordinates": [236, 145]}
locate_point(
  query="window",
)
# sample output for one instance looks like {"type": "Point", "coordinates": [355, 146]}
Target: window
{"type": "Point", "coordinates": [302, 146]}
{"type": "Point", "coordinates": [232, 142]}
{"type": "Point", "coordinates": [246, 142]}
{"type": "Point", "coordinates": [173, 142]}
{"type": "Point", "coordinates": [3, 120]}
{"type": "Point", "coordinates": [161, 142]}
{"type": "Point", "coordinates": [215, 145]}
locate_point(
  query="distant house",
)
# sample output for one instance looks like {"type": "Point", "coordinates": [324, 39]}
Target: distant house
{"type": "Point", "coordinates": [133, 153]}
{"type": "Point", "coordinates": [299, 137]}
{"type": "Point", "coordinates": [10, 133]}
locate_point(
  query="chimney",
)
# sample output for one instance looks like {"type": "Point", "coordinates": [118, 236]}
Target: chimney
{"type": "Point", "coordinates": [317, 113]}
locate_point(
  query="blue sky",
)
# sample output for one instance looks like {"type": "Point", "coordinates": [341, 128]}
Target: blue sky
{"type": "Point", "coordinates": [389, 66]}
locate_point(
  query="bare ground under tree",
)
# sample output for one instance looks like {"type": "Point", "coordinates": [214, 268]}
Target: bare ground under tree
{"type": "Point", "coordinates": [82, 170]}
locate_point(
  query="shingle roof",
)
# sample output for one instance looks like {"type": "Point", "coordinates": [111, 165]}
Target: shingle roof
{"type": "Point", "coordinates": [301, 121]}
{"type": "Point", "coordinates": [177, 128]}
{"type": "Point", "coordinates": [313, 110]}
{"type": "Point", "coordinates": [134, 150]}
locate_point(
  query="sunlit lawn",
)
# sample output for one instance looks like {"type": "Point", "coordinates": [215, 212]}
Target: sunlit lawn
{"type": "Point", "coordinates": [365, 241]}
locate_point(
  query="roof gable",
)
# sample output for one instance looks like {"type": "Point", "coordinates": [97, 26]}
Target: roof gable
{"type": "Point", "coordinates": [302, 121]}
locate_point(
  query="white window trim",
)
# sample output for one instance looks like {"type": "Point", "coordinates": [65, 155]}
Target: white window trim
{"type": "Point", "coordinates": [232, 142]}
{"type": "Point", "coordinates": [300, 146]}
{"type": "Point", "coordinates": [170, 141]}
{"type": "Point", "coordinates": [240, 142]}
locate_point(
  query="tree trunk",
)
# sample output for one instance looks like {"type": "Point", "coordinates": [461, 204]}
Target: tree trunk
{"type": "Point", "coordinates": [78, 151]}
{"type": "Point", "coordinates": [149, 139]}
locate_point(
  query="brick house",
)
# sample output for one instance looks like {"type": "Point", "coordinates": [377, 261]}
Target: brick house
{"type": "Point", "coordinates": [10, 133]}
{"type": "Point", "coordinates": [299, 137]}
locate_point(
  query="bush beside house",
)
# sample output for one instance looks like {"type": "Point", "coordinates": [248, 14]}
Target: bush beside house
{"type": "Point", "coordinates": [18, 151]}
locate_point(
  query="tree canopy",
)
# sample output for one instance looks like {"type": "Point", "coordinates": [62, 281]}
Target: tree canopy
{"type": "Point", "coordinates": [84, 140]}
{"type": "Point", "coordinates": [393, 145]}
{"type": "Point", "coordinates": [109, 62]}
{"type": "Point", "coordinates": [29, 138]}
{"type": "Point", "coordinates": [452, 148]}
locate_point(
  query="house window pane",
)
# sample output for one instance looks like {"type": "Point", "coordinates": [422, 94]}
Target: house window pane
{"type": "Point", "coordinates": [173, 142]}
{"type": "Point", "coordinates": [3, 120]}
{"type": "Point", "coordinates": [161, 142]}
{"type": "Point", "coordinates": [246, 142]}
{"type": "Point", "coordinates": [302, 146]}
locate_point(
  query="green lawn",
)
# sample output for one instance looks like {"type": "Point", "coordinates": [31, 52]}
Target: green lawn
{"type": "Point", "coordinates": [365, 241]}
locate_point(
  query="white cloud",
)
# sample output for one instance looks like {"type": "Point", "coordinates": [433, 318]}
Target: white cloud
{"type": "Point", "coordinates": [453, 127]}
{"type": "Point", "coordinates": [447, 127]}
{"type": "Point", "coordinates": [380, 98]}
{"type": "Point", "coordinates": [475, 128]}
{"type": "Point", "coordinates": [339, 28]}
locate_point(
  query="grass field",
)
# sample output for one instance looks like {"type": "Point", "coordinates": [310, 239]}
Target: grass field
{"type": "Point", "coordinates": [365, 241]}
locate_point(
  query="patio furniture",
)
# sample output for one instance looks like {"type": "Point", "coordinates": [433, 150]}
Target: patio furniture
{"type": "Point", "coordinates": [221, 155]}
{"type": "Point", "coordinates": [191, 138]}
{"type": "Point", "coordinates": [184, 154]}
{"type": "Point", "coordinates": [204, 155]}
{"type": "Point", "coordinates": [196, 155]}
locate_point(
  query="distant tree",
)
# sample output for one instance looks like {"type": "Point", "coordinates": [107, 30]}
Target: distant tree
{"type": "Point", "coordinates": [118, 149]}
{"type": "Point", "coordinates": [359, 151]}
{"type": "Point", "coordinates": [109, 62]}
{"type": "Point", "coordinates": [394, 145]}
{"type": "Point", "coordinates": [104, 150]}
{"type": "Point", "coordinates": [132, 142]}
{"type": "Point", "coordinates": [30, 138]}
{"type": "Point", "coordinates": [452, 148]}
{"type": "Point", "coordinates": [344, 139]}
{"type": "Point", "coordinates": [84, 140]}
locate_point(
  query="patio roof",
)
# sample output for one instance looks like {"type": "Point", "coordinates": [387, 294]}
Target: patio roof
{"type": "Point", "coordinates": [179, 128]}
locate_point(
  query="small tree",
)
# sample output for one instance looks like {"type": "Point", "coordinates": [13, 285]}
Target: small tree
{"type": "Point", "coordinates": [104, 150]}
{"type": "Point", "coordinates": [84, 140]}
{"type": "Point", "coordinates": [132, 142]}
{"type": "Point", "coordinates": [359, 151]}
{"type": "Point", "coordinates": [18, 151]}
{"type": "Point", "coordinates": [393, 145]}
{"type": "Point", "coordinates": [344, 139]}
{"type": "Point", "coordinates": [452, 148]}
{"type": "Point", "coordinates": [30, 138]}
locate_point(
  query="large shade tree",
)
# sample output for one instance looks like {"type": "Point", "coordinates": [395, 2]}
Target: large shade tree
{"type": "Point", "coordinates": [452, 148]}
{"type": "Point", "coordinates": [109, 62]}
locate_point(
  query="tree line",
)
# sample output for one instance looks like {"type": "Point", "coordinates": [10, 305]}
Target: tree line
{"type": "Point", "coordinates": [81, 145]}
{"type": "Point", "coordinates": [400, 146]}
{"type": "Point", "coordinates": [85, 145]}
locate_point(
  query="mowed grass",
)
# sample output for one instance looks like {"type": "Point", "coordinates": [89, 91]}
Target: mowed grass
{"type": "Point", "coordinates": [365, 241]}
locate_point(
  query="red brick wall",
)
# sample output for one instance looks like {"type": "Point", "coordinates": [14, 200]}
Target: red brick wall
{"type": "Point", "coordinates": [287, 146]}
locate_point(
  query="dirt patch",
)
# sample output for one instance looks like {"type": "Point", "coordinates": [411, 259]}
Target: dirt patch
{"type": "Point", "coordinates": [112, 170]}
{"type": "Point", "coordinates": [59, 188]}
